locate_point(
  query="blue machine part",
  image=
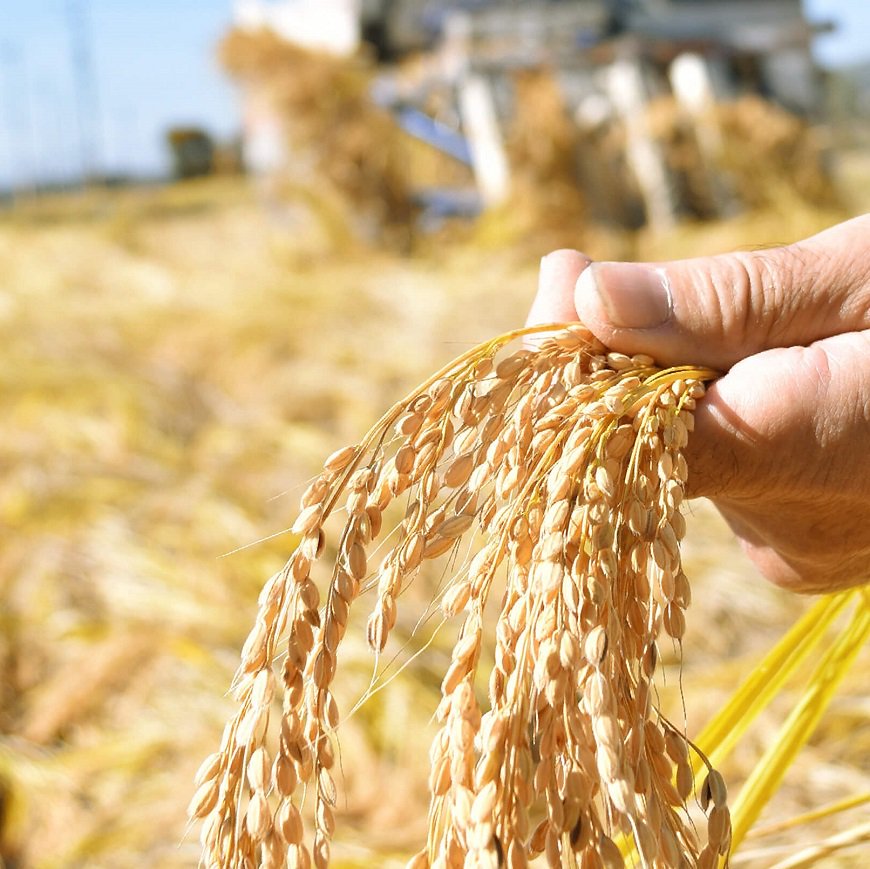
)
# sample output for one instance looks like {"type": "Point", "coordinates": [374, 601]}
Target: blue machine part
{"type": "Point", "coordinates": [419, 125]}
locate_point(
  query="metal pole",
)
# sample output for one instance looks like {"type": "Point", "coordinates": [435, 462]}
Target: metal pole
{"type": "Point", "coordinates": [16, 125]}
{"type": "Point", "coordinates": [85, 86]}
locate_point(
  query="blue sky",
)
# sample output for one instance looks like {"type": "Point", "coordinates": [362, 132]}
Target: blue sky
{"type": "Point", "coordinates": [850, 42]}
{"type": "Point", "coordinates": [154, 66]}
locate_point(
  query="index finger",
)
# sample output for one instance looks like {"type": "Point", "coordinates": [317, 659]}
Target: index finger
{"type": "Point", "coordinates": [554, 302]}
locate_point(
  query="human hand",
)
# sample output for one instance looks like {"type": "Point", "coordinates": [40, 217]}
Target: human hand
{"type": "Point", "coordinates": [782, 440]}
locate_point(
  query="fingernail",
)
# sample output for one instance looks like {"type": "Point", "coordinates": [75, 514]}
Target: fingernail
{"type": "Point", "coordinates": [633, 296]}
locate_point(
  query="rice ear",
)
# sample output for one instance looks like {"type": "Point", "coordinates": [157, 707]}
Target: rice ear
{"type": "Point", "coordinates": [562, 468]}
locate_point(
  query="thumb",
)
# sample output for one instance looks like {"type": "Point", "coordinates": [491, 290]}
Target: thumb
{"type": "Point", "coordinates": [716, 310]}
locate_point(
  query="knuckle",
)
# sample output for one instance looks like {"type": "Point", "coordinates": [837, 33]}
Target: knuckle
{"type": "Point", "coordinates": [737, 297]}
{"type": "Point", "coordinates": [758, 280]}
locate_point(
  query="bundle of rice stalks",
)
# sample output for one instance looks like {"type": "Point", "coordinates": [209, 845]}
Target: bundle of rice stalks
{"type": "Point", "coordinates": [763, 155]}
{"type": "Point", "coordinates": [551, 480]}
{"type": "Point", "coordinates": [546, 207]}
{"type": "Point", "coordinates": [340, 146]}
{"type": "Point", "coordinates": [768, 149]}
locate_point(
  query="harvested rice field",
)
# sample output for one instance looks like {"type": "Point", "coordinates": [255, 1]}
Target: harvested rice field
{"type": "Point", "coordinates": [175, 365]}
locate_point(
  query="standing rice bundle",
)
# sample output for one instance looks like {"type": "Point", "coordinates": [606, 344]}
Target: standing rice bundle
{"type": "Point", "coordinates": [563, 467]}
{"type": "Point", "coordinates": [341, 147]}
{"type": "Point", "coordinates": [546, 202]}
{"type": "Point", "coordinates": [763, 155]}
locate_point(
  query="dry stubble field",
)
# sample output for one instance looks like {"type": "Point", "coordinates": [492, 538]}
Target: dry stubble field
{"type": "Point", "coordinates": [173, 367]}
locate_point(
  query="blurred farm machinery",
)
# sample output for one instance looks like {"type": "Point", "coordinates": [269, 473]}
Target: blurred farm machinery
{"type": "Point", "coordinates": [623, 112]}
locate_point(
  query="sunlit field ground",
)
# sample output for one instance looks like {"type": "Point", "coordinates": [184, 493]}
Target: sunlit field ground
{"type": "Point", "coordinates": [174, 364]}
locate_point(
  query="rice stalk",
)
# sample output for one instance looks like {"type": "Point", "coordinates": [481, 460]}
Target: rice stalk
{"type": "Point", "coordinates": [800, 724]}
{"type": "Point", "coordinates": [564, 466]}
{"type": "Point", "coordinates": [844, 805]}
{"type": "Point", "coordinates": [719, 736]}
{"type": "Point", "coordinates": [813, 854]}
